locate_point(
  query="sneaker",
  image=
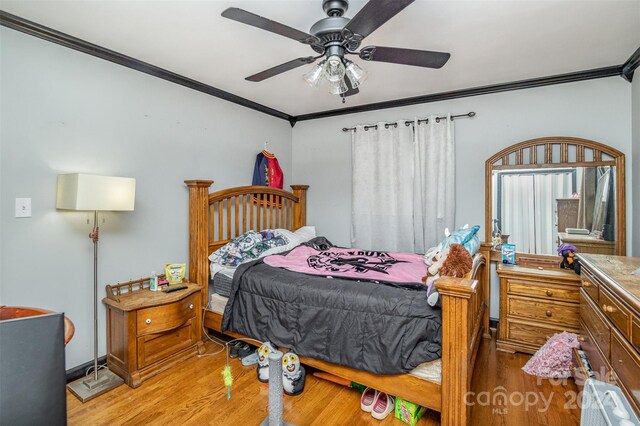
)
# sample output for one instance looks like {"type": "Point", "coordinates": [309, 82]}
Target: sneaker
{"type": "Point", "coordinates": [367, 399]}
{"type": "Point", "coordinates": [382, 406]}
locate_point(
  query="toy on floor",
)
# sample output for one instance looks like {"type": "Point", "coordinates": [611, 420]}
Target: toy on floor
{"type": "Point", "coordinates": [263, 361]}
{"type": "Point", "coordinates": [228, 379]}
{"type": "Point", "coordinates": [293, 374]}
{"type": "Point", "coordinates": [408, 412]}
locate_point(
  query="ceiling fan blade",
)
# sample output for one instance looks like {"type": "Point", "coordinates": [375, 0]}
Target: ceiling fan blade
{"type": "Point", "coordinates": [396, 55]}
{"type": "Point", "coordinates": [254, 20]}
{"type": "Point", "coordinates": [352, 91]}
{"type": "Point", "coordinates": [279, 69]}
{"type": "Point", "coordinates": [374, 14]}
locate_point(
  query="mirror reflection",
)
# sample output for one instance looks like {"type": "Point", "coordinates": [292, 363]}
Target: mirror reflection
{"type": "Point", "coordinates": [538, 209]}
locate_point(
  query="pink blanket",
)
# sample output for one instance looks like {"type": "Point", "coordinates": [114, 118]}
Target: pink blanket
{"type": "Point", "coordinates": [353, 263]}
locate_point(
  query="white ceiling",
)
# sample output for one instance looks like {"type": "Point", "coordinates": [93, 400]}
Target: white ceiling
{"type": "Point", "coordinates": [490, 42]}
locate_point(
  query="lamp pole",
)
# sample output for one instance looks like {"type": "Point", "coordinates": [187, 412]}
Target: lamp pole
{"type": "Point", "coordinates": [94, 235]}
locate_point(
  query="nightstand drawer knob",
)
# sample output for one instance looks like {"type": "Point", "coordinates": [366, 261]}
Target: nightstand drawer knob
{"type": "Point", "coordinates": [148, 320]}
{"type": "Point", "coordinates": [191, 306]}
{"type": "Point", "coordinates": [549, 293]}
{"type": "Point", "coordinates": [549, 313]}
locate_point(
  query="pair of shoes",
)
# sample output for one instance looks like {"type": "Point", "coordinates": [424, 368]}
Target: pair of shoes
{"type": "Point", "coordinates": [239, 350]}
{"type": "Point", "coordinates": [379, 404]}
{"type": "Point", "coordinates": [250, 359]}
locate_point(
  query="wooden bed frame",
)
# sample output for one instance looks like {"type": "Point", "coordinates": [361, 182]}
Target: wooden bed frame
{"type": "Point", "coordinates": [216, 218]}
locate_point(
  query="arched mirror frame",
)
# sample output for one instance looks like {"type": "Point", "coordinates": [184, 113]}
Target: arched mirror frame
{"type": "Point", "coordinates": [559, 151]}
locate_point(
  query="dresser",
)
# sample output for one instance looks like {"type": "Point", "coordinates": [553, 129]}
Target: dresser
{"type": "Point", "coordinates": [610, 321]}
{"type": "Point", "coordinates": [535, 304]}
{"type": "Point", "coordinates": [587, 244]}
{"type": "Point", "coordinates": [151, 331]}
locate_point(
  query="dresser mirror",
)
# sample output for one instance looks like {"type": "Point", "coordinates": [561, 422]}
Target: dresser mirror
{"type": "Point", "coordinates": [548, 191]}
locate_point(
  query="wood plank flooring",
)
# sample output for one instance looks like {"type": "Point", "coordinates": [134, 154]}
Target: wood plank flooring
{"type": "Point", "coordinates": [193, 393]}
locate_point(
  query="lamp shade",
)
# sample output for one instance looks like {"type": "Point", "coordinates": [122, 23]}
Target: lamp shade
{"type": "Point", "coordinates": [77, 191]}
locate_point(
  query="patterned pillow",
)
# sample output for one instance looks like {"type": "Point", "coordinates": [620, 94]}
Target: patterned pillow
{"type": "Point", "coordinates": [248, 246]}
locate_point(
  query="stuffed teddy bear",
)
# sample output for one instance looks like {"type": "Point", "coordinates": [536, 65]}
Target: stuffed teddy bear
{"type": "Point", "coordinates": [452, 262]}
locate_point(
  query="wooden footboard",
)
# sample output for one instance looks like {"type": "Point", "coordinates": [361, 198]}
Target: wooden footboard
{"type": "Point", "coordinates": [463, 311]}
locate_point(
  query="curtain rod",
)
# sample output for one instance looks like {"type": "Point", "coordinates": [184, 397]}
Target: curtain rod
{"type": "Point", "coordinates": [409, 123]}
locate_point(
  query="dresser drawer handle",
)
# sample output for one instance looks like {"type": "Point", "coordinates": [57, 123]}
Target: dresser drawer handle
{"type": "Point", "coordinates": [586, 284]}
{"type": "Point", "coordinates": [148, 321]}
{"type": "Point", "coordinates": [191, 306]}
{"type": "Point", "coordinates": [582, 339]}
{"type": "Point", "coordinates": [608, 308]}
{"type": "Point", "coordinates": [549, 313]}
{"type": "Point", "coordinates": [549, 293]}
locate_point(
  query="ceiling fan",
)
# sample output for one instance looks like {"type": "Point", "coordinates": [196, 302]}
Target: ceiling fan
{"type": "Point", "coordinates": [336, 36]}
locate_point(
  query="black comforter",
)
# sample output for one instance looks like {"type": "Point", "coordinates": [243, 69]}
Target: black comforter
{"type": "Point", "coordinates": [380, 328]}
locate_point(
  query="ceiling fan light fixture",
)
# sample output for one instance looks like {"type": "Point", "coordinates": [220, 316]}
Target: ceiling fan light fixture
{"type": "Point", "coordinates": [334, 69]}
{"type": "Point", "coordinates": [355, 74]}
{"type": "Point", "coordinates": [337, 87]}
{"type": "Point", "coordinates": [313, 77]}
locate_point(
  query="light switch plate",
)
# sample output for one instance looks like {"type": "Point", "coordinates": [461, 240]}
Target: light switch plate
{"type": "Point", "coordinates": [23, 207]}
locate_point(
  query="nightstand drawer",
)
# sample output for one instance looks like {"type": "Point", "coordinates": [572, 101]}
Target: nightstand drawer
{"type": "Point", "coordinates": [544, 310]}
{"type": "Point", "coordinates": [531, 334]}
{"type": "Point", "coordinates": [154, 347]}
{"type": "Point", "coordinates": [527, 288]}
{"type": "Point", "coordinates": [165, 317]}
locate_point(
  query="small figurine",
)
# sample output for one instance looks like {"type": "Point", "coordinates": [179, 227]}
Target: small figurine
{"type": "Point", "coordinates": [293, 374]}
{"type": "Point", "coordinates": [568, 251]}
{"type": "Point", "coordinates": [263, 361]}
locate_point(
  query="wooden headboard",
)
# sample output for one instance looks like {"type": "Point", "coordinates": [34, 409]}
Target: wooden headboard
{"type": "Point", "coordinates": [217, 218]}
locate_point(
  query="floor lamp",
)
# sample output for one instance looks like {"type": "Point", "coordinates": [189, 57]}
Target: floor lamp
{"type": "Point", "coordinates": [82, 192]}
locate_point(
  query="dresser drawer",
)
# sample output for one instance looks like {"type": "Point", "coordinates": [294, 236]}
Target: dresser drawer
{"type": "Point", "coordinates": [537, 335]}
{"type": "Point", "coordinates": [165, 317]}
{"type": "Point", "coordinates": [635, 333]}
{"type": "Point", "coordinates": [544, 310]}
{"type": "Point", "coordinates": [598, 362]}
{"type": "Point", "coordinates": [154, 347]}
{"type": "Point", "coordinates": [626, 363]}
{"type": "Point", "coordinates": [548, 291]}
{"type": "Point", "coordinates": [590, 283]}
{"type": "Point", "coordinates": [595, 323]}
{"type": "Point", "coordinates": [618, 314]}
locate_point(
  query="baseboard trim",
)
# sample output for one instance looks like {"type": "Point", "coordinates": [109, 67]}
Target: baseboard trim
{"type": "Point", "coordinates": [81, 370]}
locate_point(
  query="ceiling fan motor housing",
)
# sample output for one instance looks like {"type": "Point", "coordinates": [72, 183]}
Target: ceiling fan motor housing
{"type": "Point", "coordinates": [335, 7]}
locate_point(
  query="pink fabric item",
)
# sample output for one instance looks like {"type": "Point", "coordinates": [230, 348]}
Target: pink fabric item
{"type": "Point", "coordinates": [353, 263]}
{"type": "Point", "coordinates": [553, 359]}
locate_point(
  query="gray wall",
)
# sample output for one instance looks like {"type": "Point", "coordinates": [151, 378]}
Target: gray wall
{"type": "Point", "coordinates": [596, 109]}
{"type": "Point", "coordinates": [63, 111]}
{"type": "Point", "coordinates": [635, 161]}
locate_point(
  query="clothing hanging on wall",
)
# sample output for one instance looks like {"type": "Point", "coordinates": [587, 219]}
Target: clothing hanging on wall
{"type": "Point", "coordinates": [266, 171]}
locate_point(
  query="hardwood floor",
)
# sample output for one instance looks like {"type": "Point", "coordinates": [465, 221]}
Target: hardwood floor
{"type": "Point", "coordinates": [193, 393]}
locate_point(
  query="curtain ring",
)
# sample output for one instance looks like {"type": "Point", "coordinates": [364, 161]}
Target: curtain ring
{"type": "Point", "coordinates": [437, 119]}
{"type": "Point", "coordinates": [395, 125]}
{"type": "Point", "coordinates": [386, 125]}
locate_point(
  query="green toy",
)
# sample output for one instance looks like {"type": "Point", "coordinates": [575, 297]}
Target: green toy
{"type": "Point", "coordinates": [408, 412]}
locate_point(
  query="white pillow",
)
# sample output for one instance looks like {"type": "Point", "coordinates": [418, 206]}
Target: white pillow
{"type": "Point", "coordinates": [294, 240]}
{"type": "Point", "coordinates": [306, 233]}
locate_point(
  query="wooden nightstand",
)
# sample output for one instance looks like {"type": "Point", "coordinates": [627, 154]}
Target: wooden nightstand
{"type": "Point", "coordinates": [149, 331]}
{"type": "Point", "coordinates": [535, 304]}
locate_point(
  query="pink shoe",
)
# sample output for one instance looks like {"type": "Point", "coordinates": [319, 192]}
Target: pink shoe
{"type": "Point", "coordinates": [382, 406]}
{"type": "Point", "coordinates": [368, 399]}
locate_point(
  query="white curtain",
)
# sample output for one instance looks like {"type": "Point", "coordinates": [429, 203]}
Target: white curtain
{"type": "Point", "coordinates": [529, 209]}
{"type": "Point", "coordinates": [434, 181]}
{"type": "Point", "coordinates": [403, 185]}
{"type": "Point", "coordinates": [382, 193]}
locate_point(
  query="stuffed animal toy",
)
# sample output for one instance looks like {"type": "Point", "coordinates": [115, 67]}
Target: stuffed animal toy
{"type": "Point", "coordinates": [568, 251]}
{"type": "Point", "coordinates": [455, 262]}
{"type": "Point", "coordinates": [263, 361]}
{"type": "Point", "coordinates": [293, 374]}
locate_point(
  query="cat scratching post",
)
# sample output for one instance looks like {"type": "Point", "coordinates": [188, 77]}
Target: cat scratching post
{"type": "Point", "coordinates": [275, 417]}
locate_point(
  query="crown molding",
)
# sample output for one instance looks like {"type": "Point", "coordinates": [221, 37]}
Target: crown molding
{"type": "Point", "coordinates": [28, 27]}
{"type": "Point", "coordinates": [475, 91]}
{"type": "Point", "coordinates": [630, 66]}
